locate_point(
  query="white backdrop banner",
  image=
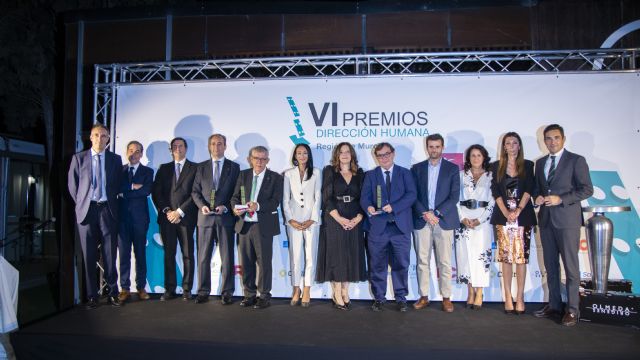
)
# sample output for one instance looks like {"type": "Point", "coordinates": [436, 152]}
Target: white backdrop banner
{"type": "Point", "coordinates": [599, 111]}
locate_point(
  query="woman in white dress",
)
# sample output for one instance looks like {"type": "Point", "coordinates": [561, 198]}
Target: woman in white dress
{"type": "Point", "coordinates": [301, 206]}
{"type": "Point", "coordinates": [473, 239]}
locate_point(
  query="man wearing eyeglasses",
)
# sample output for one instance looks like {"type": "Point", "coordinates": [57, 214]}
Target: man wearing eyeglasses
{"type": "Point", "coordinates": [388, 192]}
{"type": "Point", "coordinates": [177, 216]}
{"type": "Point", "coordinates": [435, 215]}
{"type": "Point", "coordinates": [255, 201]}
{"type": "Point", "coordinates": [134, 221]}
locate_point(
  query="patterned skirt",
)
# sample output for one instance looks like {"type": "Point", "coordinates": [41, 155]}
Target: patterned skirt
{"type": "Point", "coordinates": [513, 244]}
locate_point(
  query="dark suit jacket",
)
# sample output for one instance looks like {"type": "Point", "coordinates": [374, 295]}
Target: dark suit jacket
{"type": "Point", "coordinates": [447, 194]}
{"type": "Point", "coordinates": [79, 182]}
{"type": "Point", "coordinates": [403, 195]}
{"type": "Point", "coordinates": [166, 193]}
{"type": "Point", "coordinates": [134, 207]}
{"type": "Point", "coordinates": [269, 199]}
{"type": "Point", "coordinates": [524, 185]}
{"type": "Point", "coordinates": [572, 183]}
{"type": "Point", "coordinates": [203, 184]}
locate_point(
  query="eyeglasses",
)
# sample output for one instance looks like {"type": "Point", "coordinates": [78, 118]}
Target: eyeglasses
{"type": "Point", "coordinates": [259, 159]}
{"type": "Point", "coordinates": [385, 155]}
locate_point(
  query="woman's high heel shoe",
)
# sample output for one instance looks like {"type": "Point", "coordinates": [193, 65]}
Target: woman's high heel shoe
{"type": "Point", "coordinates": [338, 306]}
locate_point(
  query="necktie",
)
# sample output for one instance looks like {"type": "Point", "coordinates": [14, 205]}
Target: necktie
{"type": "Point", "coordinates": [552, 170]}
{"type": "Point", "coordinates": [254, 184]}
{"type": "Point", "coordinates": [216, 174]}
{"type": "Point", "coordinates": [178, 165]}
{"type": "Point", "coordinates": [130, 174]}
{"type": "Point", "coordinates": [387, 179]}
{"type": "Point", "coordinates": [98, 187]}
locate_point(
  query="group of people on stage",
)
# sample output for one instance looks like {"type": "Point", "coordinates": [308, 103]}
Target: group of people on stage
{"type": "Point", "coordinates": [328, 215]}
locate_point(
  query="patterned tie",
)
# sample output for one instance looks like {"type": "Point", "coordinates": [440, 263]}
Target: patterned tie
{"type": "Point", "coordinates": [216, 174]}
{"type": "Point", "coordinates": [387, 179]}
{"type": "Point", "coordinates": [178, 166]}
{"type": "Point", "coordinates": [98, 185]}
{"type": "Point", "coordinates": [552, 170]}
{"type": "Point", "coordinates": [130, 174]}
{"type": "Point", "coordinates": [254, 184]}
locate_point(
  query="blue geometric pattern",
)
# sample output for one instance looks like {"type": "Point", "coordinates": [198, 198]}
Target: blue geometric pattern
{"type": "Point", "coordinates": [626, 225]}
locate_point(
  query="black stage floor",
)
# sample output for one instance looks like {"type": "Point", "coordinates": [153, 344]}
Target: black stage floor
{"type": "Point", "coordinates": [155, 329]}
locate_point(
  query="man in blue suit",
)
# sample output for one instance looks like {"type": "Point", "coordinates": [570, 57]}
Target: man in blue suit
{"type": "Point", "coordinates": [94, 183]}
{"type": "Point", "coordinates": [134, 221]}
{"type": "Point", "coordinates": [435, 215]}
{"type": "Point", "coordinates": [387, 195]}
{"type": "Point", "coordinates": [215, 180]}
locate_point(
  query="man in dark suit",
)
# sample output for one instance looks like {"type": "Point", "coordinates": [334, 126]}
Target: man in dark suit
{"type": "Point", "coordinates": [94, 183]}
{"type": "Point", "coordinates": [256, 197]}
{"type": "Point", "coordinates": [435, 216]}
{"type": "Point", "coordinates": [563, 181]}
{"type": "Point", "coordinates": [134, 221]}
{"type": "Point", "coordinates": [215, 180]}
{"type": "Point", "coordinates": [171, 194]}
{"type": "Point", "coordinates": [388, 192]}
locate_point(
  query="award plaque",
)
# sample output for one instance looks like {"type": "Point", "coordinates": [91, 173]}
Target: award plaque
{"type": "Point", "coordinates": [243, 195]}
{"type": "Point", "coordinates": [378, 201]}
{"type": "Point", "coordinates": [212, 201]}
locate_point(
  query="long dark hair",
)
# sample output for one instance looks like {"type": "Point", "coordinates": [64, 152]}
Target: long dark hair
{"type": "Point", "coordinates": [502, 163]}
{"type": "Point", "coordinates": [309, 161]}
{"type": "Point", "coordinates": [485, 157]}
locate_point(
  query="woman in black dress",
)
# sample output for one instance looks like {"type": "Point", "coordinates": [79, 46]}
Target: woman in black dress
{"type": "Point", "coordinates": [341, 258]}
{"type": "Point", "coordinates": [512, 185]}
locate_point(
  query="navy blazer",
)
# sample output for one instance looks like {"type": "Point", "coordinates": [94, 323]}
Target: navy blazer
{"type": "Point", "coordinates": [79, 182]}
{"type": "Point", "coordinates": [134, 207]}
{"type": "Point", "coordinates": [572, 183]}
{"type": "Point", "coordinates": [403, 195]}
{"type": "Point", "coordinates": [203, 184]}
{"type": "Point", "coordinates": [447, 194]}
{"type": "Point", "coordinates": [269, 198]}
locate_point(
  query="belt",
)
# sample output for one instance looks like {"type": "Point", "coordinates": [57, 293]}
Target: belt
{"type": "Point", "coordinates": [346, 198]}
{"type": "Point", "coordinates": [99, 203]}
{"type": "Point", "coordinates": [474, 204]}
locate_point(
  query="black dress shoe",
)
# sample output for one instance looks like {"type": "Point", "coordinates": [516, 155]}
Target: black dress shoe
{"type": "Point", "coordinates": [569, 319]}
{"type": "Point", "coordinates": [168, 296]}
{"type": "Point", "coordinates": [262, 304]}
{"type": "Point", "coordinates": [546, 312]}
{"type": "Point", "coordinates": [248, 302]}
{"type": "Point", "coordinates": [226, 299]}
{"type": "Point", "coordinates": [402, 306]}
{"type": "Point", "coordinates": [201, 299]}
{"type": "Point", "coordinates": [186, 296]}
{"type": "Point", "coordinates": [377, 306]}
{"type": "Point", "coordinates": [91, 304]}
{"type": "Point", "coordinates": [114, 301]}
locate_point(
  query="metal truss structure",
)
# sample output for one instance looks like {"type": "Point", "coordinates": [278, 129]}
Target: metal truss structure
{"type": "Point", "coordinates": [109, 77]}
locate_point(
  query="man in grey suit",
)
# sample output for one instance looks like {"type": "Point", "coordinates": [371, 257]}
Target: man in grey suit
{"type": "Point", "coordinates": [212, 189]}
{"type": "Point", "coordinates": [563, 181]}
{"type": "Point", "coordinates": [94, 184]}
{"type": "Point", "coordinates": [255, 201]}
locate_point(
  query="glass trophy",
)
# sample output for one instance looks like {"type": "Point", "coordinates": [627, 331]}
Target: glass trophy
{"type": "Point", "coordinates": [378, 201]}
